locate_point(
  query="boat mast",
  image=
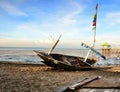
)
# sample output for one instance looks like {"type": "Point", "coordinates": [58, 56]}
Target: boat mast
{"type": "Point", "coordinates": [94, 28]}
{"type": "Point", "coordinates": [54, 45]}
{"type": "Point", "coordinates": [94, 25]}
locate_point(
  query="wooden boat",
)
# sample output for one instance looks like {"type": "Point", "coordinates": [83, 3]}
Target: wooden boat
{"type": "Point", "coordinates": [65, 62]}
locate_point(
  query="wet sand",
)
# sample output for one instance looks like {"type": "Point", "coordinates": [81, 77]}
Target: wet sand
{"type": "Point", "coordinates": [36, 78]}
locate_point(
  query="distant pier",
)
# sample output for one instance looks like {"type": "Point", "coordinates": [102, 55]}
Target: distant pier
{"type": "Point", "coordinates": [108, 51]}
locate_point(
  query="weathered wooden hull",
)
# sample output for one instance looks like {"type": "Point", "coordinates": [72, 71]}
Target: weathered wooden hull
{"type": "Point", "coordinates": [66, 62]}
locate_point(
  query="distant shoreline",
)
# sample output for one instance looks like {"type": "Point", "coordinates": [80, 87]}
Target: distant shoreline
{"type": "Point", "coordinates": [20, 63]}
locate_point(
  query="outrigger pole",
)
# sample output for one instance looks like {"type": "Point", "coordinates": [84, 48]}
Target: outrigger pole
{"type": "Point", "coordinates": [92, 49]}
{"type": "Point", "coordinates": [54, 45]}
{"type": "Point", "coordinates": [94, 28]}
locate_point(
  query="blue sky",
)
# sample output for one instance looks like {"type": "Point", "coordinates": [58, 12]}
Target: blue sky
{"type": "Point", "coordinates": [32, 22]}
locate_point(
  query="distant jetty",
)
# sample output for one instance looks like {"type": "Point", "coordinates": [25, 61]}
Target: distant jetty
{"type": "Point", "coordinates": [109, 51]}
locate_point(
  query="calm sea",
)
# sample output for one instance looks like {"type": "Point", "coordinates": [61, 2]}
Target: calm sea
{"type": "Point", "coordinates": [26, 54]}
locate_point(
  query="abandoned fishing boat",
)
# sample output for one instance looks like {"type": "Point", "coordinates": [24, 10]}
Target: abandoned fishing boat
{"type": "Point", "coordinates": [66, 62]}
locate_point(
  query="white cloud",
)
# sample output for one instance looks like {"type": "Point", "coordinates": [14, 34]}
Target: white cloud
{"type": "Point", "coordinates": [113, 15]}
{"type": "Point", "coordinates": [70, 18]}
{"type": "Point", "coordinates": [30, 28]}
{"type": "Point", "coordinates": [26, 27]}
{"type": "Point", "coordinates": [25, 42]}
{"type": "Point", "coordinates": [11, 9]}
{"type": "Point", "coordinates": [113, 18]}
{"type": "Point", "coordinates": [110, 38]}
{"type": "Point", "coordinates": [46, 41]}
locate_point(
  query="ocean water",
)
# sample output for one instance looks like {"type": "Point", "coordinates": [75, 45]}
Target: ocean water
{"type": "Point", "coordinates": [25, 54]}
{"type": "Point", "coordinates": [18, 54]}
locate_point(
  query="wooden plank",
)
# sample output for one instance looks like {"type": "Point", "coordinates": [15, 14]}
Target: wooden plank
{"type": "Point", "coordinates": [104, 83]}
{"type": "Point", "coordinates": [83, 82]}
{"type": "Point", "coordinates": [99, 90]}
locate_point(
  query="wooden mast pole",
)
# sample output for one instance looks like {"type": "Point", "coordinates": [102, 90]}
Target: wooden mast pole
{"type": "Point", "coordinates": [54, 45]}
{"type": "Point", "coordinates": [95, 26]}
{"type": "Point", "coordinates": [96, 8]}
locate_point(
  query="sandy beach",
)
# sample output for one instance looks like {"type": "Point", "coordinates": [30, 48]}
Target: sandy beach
{"type": "Point", "coordinates": [15, 77]}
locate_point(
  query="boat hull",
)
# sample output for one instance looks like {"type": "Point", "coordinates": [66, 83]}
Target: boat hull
{"type": "Point", "coordinates": [65, 62]}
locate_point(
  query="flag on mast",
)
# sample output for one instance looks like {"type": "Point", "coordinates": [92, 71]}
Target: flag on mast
{"type": "Point", "coordinates": [94, 28]}
{"type": "Point", "coordinates": [95, 18]}
{"type": "Point", "coordinates": [96, 6]}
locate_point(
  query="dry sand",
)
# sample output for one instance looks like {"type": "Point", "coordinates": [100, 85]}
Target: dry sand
{"type": "Point", "coordinates": [36, 78]}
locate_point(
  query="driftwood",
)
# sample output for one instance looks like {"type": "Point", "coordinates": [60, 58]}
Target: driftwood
{"type": "Point", "coordinates": [79, 85]}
